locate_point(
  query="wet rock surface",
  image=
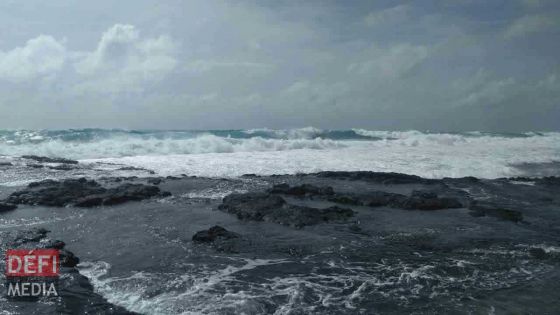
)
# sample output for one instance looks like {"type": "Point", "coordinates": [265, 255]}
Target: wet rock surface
{"type": "Point", "coordinates": [272, 208]}
{"type": "Point", "coordinates": [44, 159]}
{"type": "Point", "coordinates": [379, 177]}
{"type": "Point", "coordinates": [418, 200]}
{"type": "Point", "coordinates": [219, 238]}
{"type": "Point", "coordinates": [76, 294]}
{"type": "Point", "coordinates": [81, 193]}
{"type": "Point", "coordinates": [7, 207]}
{"type": "Point", "coordinates": [343, 243]}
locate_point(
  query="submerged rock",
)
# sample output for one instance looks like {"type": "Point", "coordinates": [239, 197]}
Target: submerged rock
{"type": "Point", "coordinates": [480, 209]}
{"type": "Point", "coordinates": [44, 159]}
{"type": "Point", "coordinates": [272, 208]}
{"type": "Point", "coordinates": [81, 193]}
{"type": "Point", "coordinates": [425, 200]}
{"type": "Point", "coordinates": [302, 190]}
{"type": "Point", "coordinates": [212, 234]}
{"type": "Point", "coordinates": [219, 238]}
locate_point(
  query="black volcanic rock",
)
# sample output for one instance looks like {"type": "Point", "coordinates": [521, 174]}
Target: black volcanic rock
{"type": "Point", "coordinates": [44, 159]}
{"type": "Point", "coordinates": [380, 177]}
{"type": "Point", "coordinates": [425, 200]}
{"type": "Point", "coordinates": [220, 239]}
{"type": "Point", "coordinates": [81, 193]}
{"type": "Point", "coordinates": [212, 234]}
{"type": "Point", "coordinates": [419, 200]}
{"type": "Point", "coordinates": [383, 199]}
{"type": "Point", "coordinates": [302, 190]}
{"type": "Point", "coordinates": [76, 293]}
{"type": "Point", "coordinates": [272, 208]}
{"type": "Point", "coordinates": [7, 207]}
{"type": "Point", "coordinates": [68, 259]}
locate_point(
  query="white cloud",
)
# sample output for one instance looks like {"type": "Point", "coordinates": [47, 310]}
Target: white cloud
{"type": "Point", "coordinates": [391, 15]}
{"type": "Point", "coordinates": [529, 24]}
{"type": "Point", "coordinates": [390, 63]}
{"type": "Point", "coordinates": [41, 56]}
{"type": "Point", "coordinates": [491, 92]}
{"type": "Point", "coordinates": [123, 60]}
{"type": "Point", "coordinates": [199, 66]}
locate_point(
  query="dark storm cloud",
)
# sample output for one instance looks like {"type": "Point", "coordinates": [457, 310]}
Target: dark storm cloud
{"type": "Point", "coordinates": [438, 65]}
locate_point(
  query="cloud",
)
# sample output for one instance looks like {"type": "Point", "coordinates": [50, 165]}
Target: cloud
{"type": "Point", "coordinates": [529, 24]}
{"type": "Point", "coordinates": [123, 60]}
{"type": "Point", "coordinates": [387, 16]}
{"type": "Point", "coordinates": [391, 62]}
{"type": "Point", "coordinates": [201, 65]}
{"type": "Point", "coordinates": [41, 56]}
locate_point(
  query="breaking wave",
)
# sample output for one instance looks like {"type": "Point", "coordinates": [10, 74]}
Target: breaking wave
{"type": "Point", "coordinates": [230, 153]}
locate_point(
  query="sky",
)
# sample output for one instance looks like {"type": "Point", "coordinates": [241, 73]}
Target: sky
{"type": "Point", "coordinates": [447, 65]}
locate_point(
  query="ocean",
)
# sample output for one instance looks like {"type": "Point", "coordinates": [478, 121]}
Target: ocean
{"type": "Point", "coordinates": [231, 153]}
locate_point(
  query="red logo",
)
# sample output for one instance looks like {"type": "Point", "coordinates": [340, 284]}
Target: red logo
{"type": "Point", "coordinates": [32, 263]}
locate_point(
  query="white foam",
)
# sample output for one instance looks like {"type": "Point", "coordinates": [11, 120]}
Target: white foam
{"type": "Point", "coordinates": [428, 155]}
{"type": "Point", "coordinates": [120, 146]}
{"type": "Point", "coordinates": [194, 297]}
{"type": "Point", "coordinates": [431, 155]}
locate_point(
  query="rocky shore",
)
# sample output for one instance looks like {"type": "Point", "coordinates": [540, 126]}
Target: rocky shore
{"type": "Point", "coordinates": [347, 218]}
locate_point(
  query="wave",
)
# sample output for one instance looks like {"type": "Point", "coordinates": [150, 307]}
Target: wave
{"type": "Point", "coordinates": [230, 153]}
{"type": "Point", "coordinates": [121, 146]}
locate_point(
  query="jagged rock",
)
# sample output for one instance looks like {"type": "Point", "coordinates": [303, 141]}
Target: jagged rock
{"type": "Point", "coordinates": [7, 207]}
{"type": "Point", "coordinates": [302, 190]}
{"type": "Point", "coordinates": [68, 259]}
{"type": "Point", "coordinates": [212, 234]}
{"type": "Point", "coordinates": [272, 208]}
{"type": "Point", "coordinates": [76, 294]}
{"type": "Point", "coordinates": [6, 164]}
{"type": "Point", "coordinates": [81, 193]}
{"type": "Point", "coordinates": [44, 159]}
{"type": "Point", "coordinates": [219, 238]}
